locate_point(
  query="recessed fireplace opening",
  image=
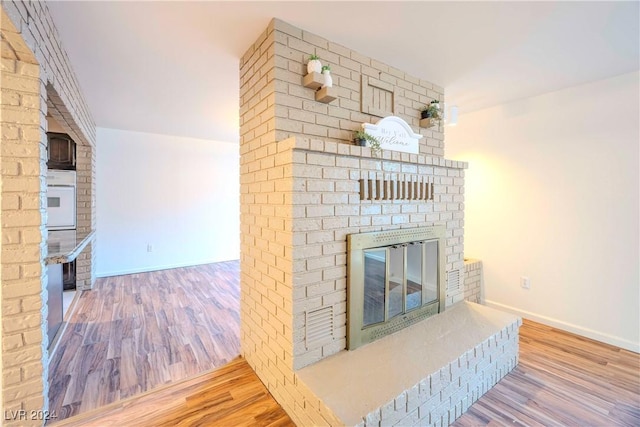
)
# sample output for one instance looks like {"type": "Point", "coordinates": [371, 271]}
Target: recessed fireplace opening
{"type": "Point", "coordinates": [395, 279]}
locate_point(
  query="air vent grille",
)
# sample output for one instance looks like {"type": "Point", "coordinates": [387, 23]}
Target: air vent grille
{"type": "Point", "coordinates": [397, 187]}
{"type": "Point", "coordinates": [319, 327]}
{"type": "Point", "coordinates": [453, 281]}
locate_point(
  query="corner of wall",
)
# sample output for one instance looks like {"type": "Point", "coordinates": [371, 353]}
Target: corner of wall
{"type": "Point", "coordinates": [28, 48]}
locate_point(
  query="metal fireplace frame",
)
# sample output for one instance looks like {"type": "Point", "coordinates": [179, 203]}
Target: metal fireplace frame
{"type": "Point", "coordinates": [357, 333]}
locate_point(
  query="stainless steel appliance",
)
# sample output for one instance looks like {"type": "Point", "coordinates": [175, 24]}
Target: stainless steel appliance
{"type": "Point", "coordinates": [61, 200]}
{"type": "Point", "coordinates": [64, 241]}
{"type": "Point", "coordinates": [54, 301]}
{"type": "Point", "coordinates": [61, 223]}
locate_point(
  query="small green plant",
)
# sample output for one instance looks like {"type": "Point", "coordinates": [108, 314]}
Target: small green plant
{"type": "Point", "coordinates": [361, 137]}
{"type": "Point", "coordinates": [431, 110]}
{"type": "Point", "coordinates": [326, 68]}
{"type": "Point", "coordinates": [313, 57]}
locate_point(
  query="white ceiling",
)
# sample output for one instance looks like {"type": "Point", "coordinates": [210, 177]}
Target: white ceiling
{"type": "Point", "coordinates": [172, 67]}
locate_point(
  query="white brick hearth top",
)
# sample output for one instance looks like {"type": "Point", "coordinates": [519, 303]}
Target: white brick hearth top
{"type": "Point", "coordinates": [353, 384]}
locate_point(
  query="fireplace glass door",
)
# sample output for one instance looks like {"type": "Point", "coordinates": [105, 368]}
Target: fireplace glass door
{"type": "Point", "coordinates": [375, 261]}
{"type": "Point", "coordinates": [399, 279]}
{"type": "Point", "coordinates": [415, 260]}
{"type": "Point", "coordinates": [395, 279]}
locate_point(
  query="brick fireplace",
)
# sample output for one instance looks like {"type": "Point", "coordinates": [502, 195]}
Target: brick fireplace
{"type": "Point", "coordinates": [300, 199]}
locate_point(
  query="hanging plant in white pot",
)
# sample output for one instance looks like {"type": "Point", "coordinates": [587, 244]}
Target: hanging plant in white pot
{"type": "Point", "coordinates": [326, 72]}
{"type": "Point", "coordinates": [314, 65]}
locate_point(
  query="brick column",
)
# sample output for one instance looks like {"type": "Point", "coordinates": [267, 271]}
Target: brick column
{"type": "Point", "coordinates": [299, 177]}
{"type": "Point", "coordinates": [84, 205]}
{"type": "Point", "coordinates": [24, 375]}
{"type": "Point", "coordinates": [36, 78]}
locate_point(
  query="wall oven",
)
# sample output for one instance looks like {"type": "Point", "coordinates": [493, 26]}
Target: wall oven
{"type": "Point", "coordinates": [61, 200]}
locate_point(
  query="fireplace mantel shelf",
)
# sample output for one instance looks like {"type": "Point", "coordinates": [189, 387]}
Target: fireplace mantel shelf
{"type": "Point", "coordinates": [381, 370]}
{"type": "Point", "coordinates": [344, 149]}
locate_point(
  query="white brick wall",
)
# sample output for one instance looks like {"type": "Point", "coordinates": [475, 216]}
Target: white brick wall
{"type": "Point", "coordinates": [299, 200]}
{"type": "Point", "coordinates": [85, 207]}
{"type": "Point", "coordinates": [36, 79]}
{"type": "Point", "coordinates": [326, 207]}
{"type": "Point", "coordinates": [473, 281]}
{"type": "Point", "coordinates": [23, 312]}
{"type": "Point", "coordinates": [266, 261]}
{"type": "Point", "coordinates": [298, 114]}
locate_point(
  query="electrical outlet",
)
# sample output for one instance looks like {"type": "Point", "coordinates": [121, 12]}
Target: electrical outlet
{"type": "Point", "coordinates": [525, 282]}
{"type": "Point", "coordinates": [149, 248]}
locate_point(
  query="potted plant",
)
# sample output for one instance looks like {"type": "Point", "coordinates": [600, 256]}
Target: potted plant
{"type": "Point", "coordinates": [431, 110]}
{"type": "Point", "coordinates": [314, 65]}
{"type": "Point", "coordinates": [361, 138]}
{"type": "Point", "coordinates": [326, 72]}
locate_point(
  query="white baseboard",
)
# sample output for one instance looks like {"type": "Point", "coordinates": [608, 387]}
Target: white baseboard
{"type": "Point", "coordinates": [156, 268]}
{"type": "Point", "coordinates": [579, 330]}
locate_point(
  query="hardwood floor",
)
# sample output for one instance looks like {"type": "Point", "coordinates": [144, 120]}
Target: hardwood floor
{"type": "Point", "coordinates": [562, 379]}
{"type": "Point", "coordinates": [229, 396]}
{"type": "Point", "coordinates": [136, 332]}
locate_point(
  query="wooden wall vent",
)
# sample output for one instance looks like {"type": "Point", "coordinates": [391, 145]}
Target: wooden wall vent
{"type": "Point", "coordinates": [378, 98]}
{"type": "Point", "coordinates": [397, 188]}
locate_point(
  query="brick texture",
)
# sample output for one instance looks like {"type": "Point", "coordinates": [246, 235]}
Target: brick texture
{"type": "Point", "coordinates": [326, 207]}
{"type": "Point", "coordinates": [36, 80]}
{"type": "Point", "coordinates": [298, 114]}
{"type": "Point", "coordinates": [473, 281]}
{"type": "Point", "coordinates": [300, 199]}
{"type": "Point", "coordinates": [440, 398]}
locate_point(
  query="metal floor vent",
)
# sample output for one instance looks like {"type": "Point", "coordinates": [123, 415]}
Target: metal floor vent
{"type": "Point", "coordinates": [453, 281]}
{"type": "Point", "coordinates": [319, 327]}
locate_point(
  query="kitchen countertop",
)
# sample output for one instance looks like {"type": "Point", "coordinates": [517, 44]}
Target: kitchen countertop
{"type": "Point", "coordinates": [66, 245]}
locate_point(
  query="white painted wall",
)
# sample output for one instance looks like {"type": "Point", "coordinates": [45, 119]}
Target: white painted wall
{"type": "Point", "coordinates": [180, 195]}
{"type": "Point", "coordinates": [552, 193]}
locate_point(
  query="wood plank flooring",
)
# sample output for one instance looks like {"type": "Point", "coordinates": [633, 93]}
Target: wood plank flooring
{"type": "Point", "coordinates": [562, 380]}
{"type": "Point", "coordinates": [229, 396]}
{"type": "Point", "coordinates": [140, 333]}
{"type": "Point", "coordinates": [136, 332]}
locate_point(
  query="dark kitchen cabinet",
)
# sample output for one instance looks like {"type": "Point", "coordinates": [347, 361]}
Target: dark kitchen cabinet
{"type": "Point", "coordinates": [61, 151]}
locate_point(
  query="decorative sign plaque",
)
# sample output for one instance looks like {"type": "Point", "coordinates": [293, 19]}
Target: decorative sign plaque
{"type": "Point", "coordinates": [394, 134]}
